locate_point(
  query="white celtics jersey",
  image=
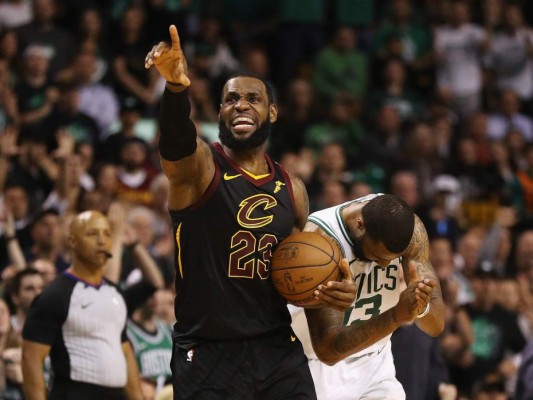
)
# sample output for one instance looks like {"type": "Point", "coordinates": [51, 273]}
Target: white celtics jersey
{"type": "Point", "coordinates": [378, 288]}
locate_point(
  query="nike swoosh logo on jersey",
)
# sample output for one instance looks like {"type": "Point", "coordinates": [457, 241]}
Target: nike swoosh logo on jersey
{"type": "Point", "coordinates": [230, 177]}
{"type": "Point", "coordinates": [86, 305]}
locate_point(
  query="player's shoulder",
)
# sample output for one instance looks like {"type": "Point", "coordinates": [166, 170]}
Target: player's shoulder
{"type": "Point", "coordinates": [298, 186]}
{"type": "Point", "coordinates": [298, 193]}
{"type": "Point", "coordinates": [419, 240]}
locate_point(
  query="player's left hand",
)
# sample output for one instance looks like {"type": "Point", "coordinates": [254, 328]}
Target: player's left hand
{"type": "Point", "coordinates": [338, 294]}
{"type": "Point", "coordinates": [424, 288]}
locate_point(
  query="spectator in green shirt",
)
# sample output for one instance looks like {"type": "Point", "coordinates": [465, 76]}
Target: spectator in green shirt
{"type": "Point", "coordinates": [395, 91]}
{"type": "Point", "coordinates": [416, 39]}
{"type": "Point", "coordinates": [341, 126]}
{"type": "Point", "coordinates": [340, 68]}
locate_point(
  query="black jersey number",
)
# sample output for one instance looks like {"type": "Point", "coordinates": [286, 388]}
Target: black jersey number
{"type": "Point", "coordinates": [250, 255]}
{"type": "Point", "coordinates": [370, 305]}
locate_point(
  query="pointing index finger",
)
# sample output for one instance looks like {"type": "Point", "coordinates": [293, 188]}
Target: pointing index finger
{"type": "Point", "coordinates": [174, 37]}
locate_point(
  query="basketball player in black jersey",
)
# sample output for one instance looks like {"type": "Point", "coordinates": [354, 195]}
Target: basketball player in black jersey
{"type": "Point", "coordinates": [230, 205]}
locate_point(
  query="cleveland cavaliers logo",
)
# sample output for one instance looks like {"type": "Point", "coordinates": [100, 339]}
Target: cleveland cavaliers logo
{"type": "Point", "coordinates": [247, 207]}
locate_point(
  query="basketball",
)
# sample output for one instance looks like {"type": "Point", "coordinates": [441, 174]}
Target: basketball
{"type": "Point", "coordinates": [301, 262]}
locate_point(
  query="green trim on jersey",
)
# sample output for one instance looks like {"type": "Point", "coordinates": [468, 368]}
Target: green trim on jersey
{"type": "Point", "coordinates": [328, 230]}
{"type": "Point", "coordinates": [343, 227]}
{"type": "Point", "coordinates": [152, 351]}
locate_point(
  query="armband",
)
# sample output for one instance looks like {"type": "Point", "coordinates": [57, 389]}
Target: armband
{"type": "Point", "coordinates": [178, 133]}
{"type": "Point", "coordinates": [424, 313]}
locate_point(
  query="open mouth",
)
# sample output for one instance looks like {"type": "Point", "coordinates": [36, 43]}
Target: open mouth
{"type": "Point", "coordinates": [242, 124]}
{"type": "Point", "coordinates": [103, 253]}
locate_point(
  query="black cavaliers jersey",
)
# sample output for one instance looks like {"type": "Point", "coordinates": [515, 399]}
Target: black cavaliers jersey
{"type": "Point", "coordinates": [224, 245]}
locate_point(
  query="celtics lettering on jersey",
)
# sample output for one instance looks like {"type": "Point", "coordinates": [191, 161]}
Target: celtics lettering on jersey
{"type": "Point", "coordinates": [152, 350]}
{"type": "Point", "coordinates": [245, 245]}
{"type": "Point", "coordinates": [377, 290]}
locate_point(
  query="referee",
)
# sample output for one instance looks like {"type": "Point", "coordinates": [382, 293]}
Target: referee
{"type": "Point", "coordinates": [79, 320]}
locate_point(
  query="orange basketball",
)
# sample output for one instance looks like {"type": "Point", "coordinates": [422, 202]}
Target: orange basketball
{"type": "Point", "coordinates": [303, 261]}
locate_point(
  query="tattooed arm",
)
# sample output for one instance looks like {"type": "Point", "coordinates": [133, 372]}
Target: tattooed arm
{"type": "Point", "coordinates": [333, 342]}
{"type": "Point", "coordinates": [418, 252]}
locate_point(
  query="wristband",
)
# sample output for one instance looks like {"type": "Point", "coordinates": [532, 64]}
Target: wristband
{"type": "Point", "coordinates": [423, 313]}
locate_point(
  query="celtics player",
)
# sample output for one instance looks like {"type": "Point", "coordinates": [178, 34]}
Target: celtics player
{"type": "Point", "coordinates": [382, 237]}
{"type": "Point", "coordinates": [151, 340]}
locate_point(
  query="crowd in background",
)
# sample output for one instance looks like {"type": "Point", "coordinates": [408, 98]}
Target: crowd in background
{"type": "Point", "coordinates": [430, 100]}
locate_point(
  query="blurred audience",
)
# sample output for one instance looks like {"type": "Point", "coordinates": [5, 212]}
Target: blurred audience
{"type": "Point", "coordinates": [430, 100]}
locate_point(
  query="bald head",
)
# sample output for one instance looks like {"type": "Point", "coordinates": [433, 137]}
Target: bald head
{"type": "Point", "coordinates": [90, 243]}
{"type": "Point", "coordinates": [90, 229]}
{"type": "Point", "coordinates": [81, 220]}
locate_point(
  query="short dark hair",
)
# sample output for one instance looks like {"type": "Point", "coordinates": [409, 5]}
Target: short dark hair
{"type": "Point", "coordinates": [41, 214]}
{"type": "Point", "coordinates": [135, 140]}
{"type": "Point", "coordinates": [16, 282]}
{"type": "Point", "coordinates": [13, 286]}
{"type": "Point", "coordinates": [389, 220]}
{"type": "Point", "coordinates": [268, 85]}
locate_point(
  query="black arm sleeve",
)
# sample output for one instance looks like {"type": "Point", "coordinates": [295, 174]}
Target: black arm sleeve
{"type": "Point", "coordinates": [178, 133]}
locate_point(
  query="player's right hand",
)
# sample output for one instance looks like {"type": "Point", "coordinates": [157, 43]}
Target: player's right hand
{"type": "Point", "coordinates": [169, 60]}
{"type": "Point", "coordinates": [339, 295]}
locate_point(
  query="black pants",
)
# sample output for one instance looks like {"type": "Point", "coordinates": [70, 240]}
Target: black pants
{"type": "Point", "coordinates": [71, 390]}
{"type": "Point", "coordinates": [272, 367]}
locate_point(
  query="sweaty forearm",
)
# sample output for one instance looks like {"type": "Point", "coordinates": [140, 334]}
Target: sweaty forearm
{"type": "Point", "coordinates": [334, 345]}
{"type": "Point", "coordinates": [433, 323]}
{"type": "Point", "coordinates": [178, 133]}
{"type": "Point", "coordinates": [418, 252]}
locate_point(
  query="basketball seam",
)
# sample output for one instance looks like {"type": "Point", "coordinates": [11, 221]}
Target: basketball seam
{"type": "Point", "coordinates": [331, 257]}
{"type": "Point", "coordinates": [316, 247]}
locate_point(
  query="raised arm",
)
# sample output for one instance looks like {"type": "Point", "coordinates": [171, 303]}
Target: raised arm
{"type": "Point", "coordinates": [143, 259]}
{"type": "Point", "coordinates": [8, 149]}
{"type": "Point", "coordinates": [185, 158]}
{"type": "Point", "coordinates": [117, 218]}
{"type": "Point", "coordinates": [418, 253]}
{"type": "Point", "coordinates": [14, 252]}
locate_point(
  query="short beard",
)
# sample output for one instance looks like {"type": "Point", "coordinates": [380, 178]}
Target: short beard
{"type": "Point", "coordinates": [358, 250]}
{"type": "Point", "coordinates": [259, 137]}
